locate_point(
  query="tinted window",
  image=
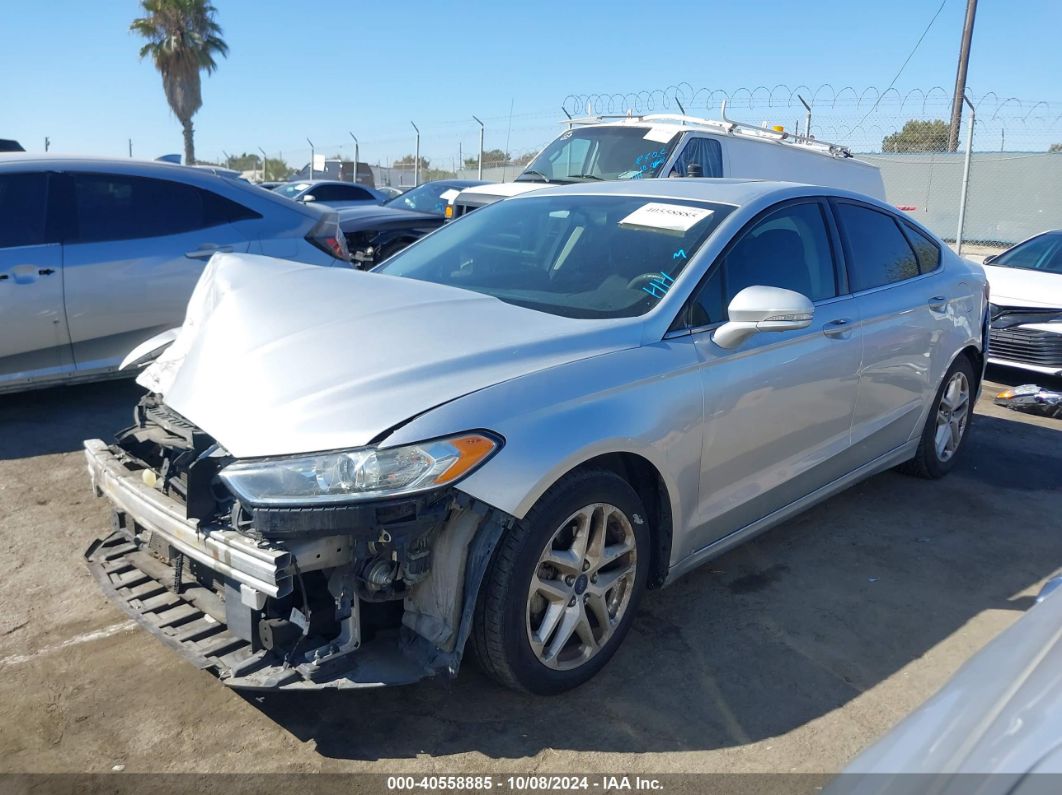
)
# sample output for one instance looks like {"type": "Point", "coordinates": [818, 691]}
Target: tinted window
{"type": "Point", "coordinates": [705, 152]}
{"type": "Point", "coordinates": [571, 255]}
{"type": "Point", "coordinates": [326, 193]}
{"type": "Point", "coordinates": [926, 250]}
{"type": "Point", "coordinates": [788, 248]}
{"type": "Point", "coordinates": [23, 202]}
{"type": "Point", "coordinates": [115, 207]}
{"type": "Point", "coordinates": [1033, 254]}
{"type": "Point", "coordinates": [878, 252]}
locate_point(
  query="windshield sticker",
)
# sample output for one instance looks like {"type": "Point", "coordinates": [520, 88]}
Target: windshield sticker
{"type": "Point", "coordinates": [446, 195]}
{"type": "Point", "coordinates": [650, 161]}
{"type": "Point", "coordinates": [659, 134]}
{"type": "Point", "coordinates": [658, 286]}
{"type": "Point", "coordinates": [680, 254]}
{"type": "Point", "coordinates": [666, 217]}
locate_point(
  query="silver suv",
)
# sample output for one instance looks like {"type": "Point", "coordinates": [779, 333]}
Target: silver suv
{"type": "Point", "coordinates": [98, 255]}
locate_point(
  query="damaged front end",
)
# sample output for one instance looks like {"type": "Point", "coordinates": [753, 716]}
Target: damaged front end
{"type": "Point", "coordinates": [343, 594]}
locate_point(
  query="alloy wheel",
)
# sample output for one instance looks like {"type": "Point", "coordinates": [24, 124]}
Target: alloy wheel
{"type": "Point", "coordinates": [581, 586]}
{"type": "Point", "coordinates": [952, 415]}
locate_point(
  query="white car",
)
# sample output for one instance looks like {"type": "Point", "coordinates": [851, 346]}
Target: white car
{"type": "Point", "coordinates": [1026, 284]}
{"type": "Point", "coordinates": [666, 145]}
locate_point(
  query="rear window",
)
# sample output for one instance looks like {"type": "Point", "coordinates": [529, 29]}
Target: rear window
{"type": "Point", "coordinates": [878, 252]}
{"type": "Point", "coordinates": [23, 203]}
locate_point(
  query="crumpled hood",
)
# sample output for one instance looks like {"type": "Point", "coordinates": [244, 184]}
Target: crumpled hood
{"type": "Point", "coordinates": [276, 357]}
{"type": "Point", "coordinates": [1021, 287]}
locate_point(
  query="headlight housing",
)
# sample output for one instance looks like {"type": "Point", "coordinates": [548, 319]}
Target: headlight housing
{"type": "Point", "coordinates": [366, 473]}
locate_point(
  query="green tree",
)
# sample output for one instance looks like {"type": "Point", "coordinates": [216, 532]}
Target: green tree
{"type": "Point", "coordinates": [183, 39]}
{"type": "Point", "coordinates": [525, 158]}
{"type": "Point", "coordinates": [409, 161]}
{"type": "Point", "coordinates": [491, 157]}
{"type": "Point", "coordinates": [918, 135]}
{"type": "Point", "coordinates": [1055, 148]}
{"type": "Point", "coordinates": [275, 167]}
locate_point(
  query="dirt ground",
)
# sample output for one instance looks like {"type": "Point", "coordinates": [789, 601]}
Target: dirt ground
{"type": "Point", "coordinates": [792, 653]}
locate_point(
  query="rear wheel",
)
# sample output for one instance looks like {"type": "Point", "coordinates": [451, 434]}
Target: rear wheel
{"type": "Point", "coordinates": [946, 425]}
{"type": "Point", "coordinates": [563, 585]}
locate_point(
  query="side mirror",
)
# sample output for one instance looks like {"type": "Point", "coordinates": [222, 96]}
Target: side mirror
{"type": "Point", "coordinates": [989, 259]}
{"type": "Point", "coordinates": [309, 197]}
{"type": "Point", "coordinates": [760, 308]}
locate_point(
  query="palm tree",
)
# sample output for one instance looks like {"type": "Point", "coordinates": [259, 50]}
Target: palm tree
{"type": "Point", "coordinates": [183, 39]}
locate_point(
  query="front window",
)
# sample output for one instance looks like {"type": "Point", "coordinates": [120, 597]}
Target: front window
{"type": "Point", "coordinates": [1043, 253]}
{"type": "Point", "coordinates": [424, 199]}
{"type": "Point", "coordinates": [575, 256]}
{"type": "Point", "coordinates": [599, 153]}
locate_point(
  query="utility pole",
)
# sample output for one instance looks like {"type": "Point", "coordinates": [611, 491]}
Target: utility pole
{"type": "Point", "coordinates": [312, 149]}
{"type": "Point", "coordinates": [416, 159]}
{"type": "Point", "coordinates": [357, 147]}
{"type": "Point", "coordinates": [481, 128]}
{"type": "Point", "coordinates": [265, 158]}
{"type": "Point", "coordinates": [47, 143]}
{"type": "Point", "coordinates": [960, 76]}
{"type": "Point", "coordinates": [130, 147]}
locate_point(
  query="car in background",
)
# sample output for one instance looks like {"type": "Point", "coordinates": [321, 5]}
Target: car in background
{"type": "Point", "coordinates": [996, 723]}
{"type": "Point", "coordinates": [270, 185]}
{"type": "Point", "coordinates": [390, 191]}
{"type": "Point", "coordinates": [375, 233]}
{"type": "Point", "coordinates": [330, 192]}
{"type": "Point", "coordinates": [668, 145]}
{"type": "Point", "coordinates": [508, 431]}
{"type": "Point", "coordinates": [98, 255]}
{"type": "Point", "coordinates": [1026, 282]}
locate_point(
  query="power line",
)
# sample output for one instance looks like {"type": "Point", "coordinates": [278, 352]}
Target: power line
{"type": "Point", "coordinates": [906, 61]}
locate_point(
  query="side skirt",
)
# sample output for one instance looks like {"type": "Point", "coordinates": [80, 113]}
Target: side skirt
{"type": "Point", "coordinates": [728, 542]}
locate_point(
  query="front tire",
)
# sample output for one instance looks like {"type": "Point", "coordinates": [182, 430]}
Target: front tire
{"type": "Point", "coordinates": [563, 585]}
{"type": "Point", "coordinates": [946, 425]}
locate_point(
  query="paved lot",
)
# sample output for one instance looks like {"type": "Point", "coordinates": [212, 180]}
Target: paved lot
{"type": "Point", "coordinates": [791, 653]}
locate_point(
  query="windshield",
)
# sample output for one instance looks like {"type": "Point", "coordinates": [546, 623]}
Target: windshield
{"type": "Point", "coordinates": [576, 256]}
{"type": "Point", "coordinates": [426, 198]}
{"type": "Point", "coordinates": [594, 153]}
{"type": "Point", "coordinates": [291, 189]}
{"type": "Point", "coordinates": [1043, 253]}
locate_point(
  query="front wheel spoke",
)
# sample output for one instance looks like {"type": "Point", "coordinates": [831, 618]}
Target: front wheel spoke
{"type": "Point", "coordinates": [585, 631]}
{"type": "Point", "coordinates": [564, 560]}
{"type": "Point", "coordinates": [614, 552]}
{"type": "Point", "coordinates": [607, 580]}
{"type": "Point", "coordinates": [598, 530]}
{"type": "Point", "coordinates": [570, 620]}
{"type": "Point", "coordinates": [551, 590]}
{"type": "Point", "coordinates": [943, 437]}
{"type": "Point", "coordinates": [599, 609]}
{"type": "Point", "coordinates": [547, 626]}
{"type": "Point", "coordinates": [956, 431]}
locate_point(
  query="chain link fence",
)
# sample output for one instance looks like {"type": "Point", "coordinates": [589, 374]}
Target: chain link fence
{"type": "Point", "coordinates": [1015, 177]}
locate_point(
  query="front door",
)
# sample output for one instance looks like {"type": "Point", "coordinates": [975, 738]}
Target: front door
{"type": "Point", "coordinates": [34, 341]}
{"type": "Point", "coordinates": [777, 408]}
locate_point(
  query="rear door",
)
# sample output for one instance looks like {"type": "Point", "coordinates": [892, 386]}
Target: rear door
{"type": "Point", "coordinates": [903, 301]}
{"type": "Point", "coordinates": [136, 249]}
{"type": "Point", "coordinates": [34, 340]}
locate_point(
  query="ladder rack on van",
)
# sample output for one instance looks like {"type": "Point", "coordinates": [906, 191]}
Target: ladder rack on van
{"type": "Point", "coordinates": [728, 126]}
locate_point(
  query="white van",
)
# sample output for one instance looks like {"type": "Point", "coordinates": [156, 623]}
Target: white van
{"type": "Point", "coordinates": [664, 145]}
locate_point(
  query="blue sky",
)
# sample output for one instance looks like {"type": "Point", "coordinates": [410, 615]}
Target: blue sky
{"type": "Point", "coordinates": [319, 68]}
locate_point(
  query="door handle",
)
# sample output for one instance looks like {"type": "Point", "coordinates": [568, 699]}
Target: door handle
{"type": "Point", "coordinates": [206, 252]}
{"type": "Point", "coordinates": [4, 277]}
{"type": "Point", "coordinates": [841, 328]}
{"type": "Point", "coordinates": [938, 303]}
{"type": "Point", "coordinates": [46, 271]}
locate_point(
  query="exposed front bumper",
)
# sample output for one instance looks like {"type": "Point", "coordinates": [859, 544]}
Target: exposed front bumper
{"type": "Point", "coordinates": [264, 569]}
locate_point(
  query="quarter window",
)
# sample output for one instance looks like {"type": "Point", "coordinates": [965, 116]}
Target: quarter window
{"type": "Point", "coordinates": [878, 252]}
{"type": "Point", "coordinates": [23, 213]}
{"type": "Point", "coordinates": [926, 250]}
{"type": "Point", "coordinates": [788, 248]}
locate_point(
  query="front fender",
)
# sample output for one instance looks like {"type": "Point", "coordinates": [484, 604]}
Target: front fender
{"type": "Point", "coordinates": [646, 401]}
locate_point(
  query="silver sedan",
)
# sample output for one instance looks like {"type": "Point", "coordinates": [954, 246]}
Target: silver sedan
{"type": "Point", "coordinates": [511, 430]}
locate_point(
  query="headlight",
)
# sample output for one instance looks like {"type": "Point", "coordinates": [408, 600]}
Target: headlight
{"type": "Point", "coordinates": [362, 474]}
